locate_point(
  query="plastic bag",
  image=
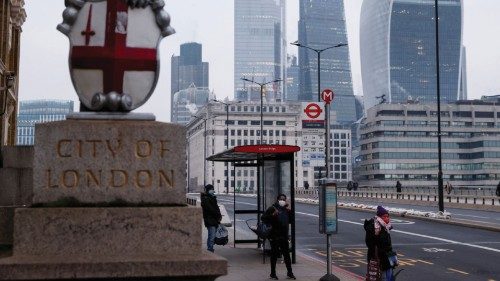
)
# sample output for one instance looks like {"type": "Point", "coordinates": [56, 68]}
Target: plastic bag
{"type": "Point", "coordinates": [221, 235]}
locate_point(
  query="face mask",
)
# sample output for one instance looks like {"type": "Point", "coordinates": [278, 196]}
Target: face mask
{"type": "Point", "coordinates": [211, 192]}
{"type": "Point", "coordinates": [282, 203]}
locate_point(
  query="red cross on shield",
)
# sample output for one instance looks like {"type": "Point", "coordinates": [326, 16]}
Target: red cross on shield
{"type": "Point", "coordinates": [114, 48]}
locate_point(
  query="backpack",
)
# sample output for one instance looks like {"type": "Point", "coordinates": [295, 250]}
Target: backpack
{"type": "Point", "coordinates": [221, 235]}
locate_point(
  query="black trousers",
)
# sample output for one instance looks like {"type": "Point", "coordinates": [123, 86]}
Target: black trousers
{"type": "Point", "coordinates": [280, 246]}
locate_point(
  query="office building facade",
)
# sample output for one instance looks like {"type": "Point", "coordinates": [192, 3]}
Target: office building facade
{"type": "Point", "coordinates": [39, 111]}
{"type": "Point", "coordinates": [187, 69]}
{"type": "Point", "coordinates": [399, 142]}
{"type": "Point", "coordinates": [259, 48]}
{"type": "Point", "coordinates": [398, 51]}
{"type": "Point", "coordinates": [12, 17]}
{"type": "Point", "coordinates": [282, 126]}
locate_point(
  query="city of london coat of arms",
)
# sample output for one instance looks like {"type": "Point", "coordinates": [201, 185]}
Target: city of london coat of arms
{"type": "Point", "coordinates": [114, 56]}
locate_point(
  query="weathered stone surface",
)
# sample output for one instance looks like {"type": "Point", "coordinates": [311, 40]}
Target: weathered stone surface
{"type": "Point", "coordinates": [102, 161]}
{"type": "Point", "coordinates": [16, 186]}
{"type": "Point", "coordinates": [113, 232]}
{"type": "Point", "coordinates": [17, 156]}
{"type": "Point", "coordinates": [6, 225]}
{"type": "Point", "coordinates": [201, 266]}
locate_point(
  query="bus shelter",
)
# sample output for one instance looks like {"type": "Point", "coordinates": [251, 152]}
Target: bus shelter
{"type": "Point", "coordinates": [275, 165]}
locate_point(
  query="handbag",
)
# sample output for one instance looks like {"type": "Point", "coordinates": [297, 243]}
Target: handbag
{"type": "Point", "coordinates": [373, 268]}
{"type": "Point", "coordinates": [263, 230]}
{"type": "Point", "coordinates": [221, 235]}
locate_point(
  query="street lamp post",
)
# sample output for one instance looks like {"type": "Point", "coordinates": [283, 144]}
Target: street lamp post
{"type": "Point", "coordinates": [438, 88]}
{"type": "Point", "coordinates": [329, 276]}
{"type": "Point", "coordinates": [318, 52]}
{"type": "Point", "coordinates": [261, 101]}
{"type": "Point", "coordinates": [227, 138]}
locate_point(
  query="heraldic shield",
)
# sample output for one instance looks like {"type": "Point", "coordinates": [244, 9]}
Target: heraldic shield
{"type": "Point", "coordinates": [114, 57]}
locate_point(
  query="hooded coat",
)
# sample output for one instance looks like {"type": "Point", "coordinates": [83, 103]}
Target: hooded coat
{"type": "Point", "coordinates": [211, 212]}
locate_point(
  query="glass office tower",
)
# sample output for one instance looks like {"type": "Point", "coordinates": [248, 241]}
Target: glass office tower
{"type": "Point", "coordinates": [187, 69]}
{"type": "Point", "coordinates": [32, 112]}
{"type": "Point", "coordinates": [398, 51]}
{"type": "Point", "coordinates": [322, 24]}
{"type": "Point", "coordinates": [259, 47]}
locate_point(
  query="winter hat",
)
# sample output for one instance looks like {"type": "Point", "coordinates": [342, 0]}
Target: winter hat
{"type": "Point", "coordinates": [208, 187]}
{"type": "Point", "coordinates": [381, 211]}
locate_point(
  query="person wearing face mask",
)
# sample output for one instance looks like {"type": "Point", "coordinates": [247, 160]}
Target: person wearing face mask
{"type": "Point", "coordinates": [278, 215]}
{"type": "Point", "coordinates": [211, 214]}
{"type": "Point", "coordinates": [378, 240]}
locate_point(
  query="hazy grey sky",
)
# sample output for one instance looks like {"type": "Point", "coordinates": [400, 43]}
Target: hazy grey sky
{"type": "Point", "coordinates": [44, 51]}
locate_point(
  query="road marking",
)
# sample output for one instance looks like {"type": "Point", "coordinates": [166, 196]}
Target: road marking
{"type": "Point", "coordinates": [406, 232]}
{"type": "Point", "coordinates": [436, 250]}
{"type": "Point", "coordinates": [479, 217]}
{"type": "Point", "coordinates": [459, 271]}
{"type": "Point", "coordinates": [419, 235]}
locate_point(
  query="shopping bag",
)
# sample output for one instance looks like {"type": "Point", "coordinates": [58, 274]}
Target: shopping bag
{"type": "Point", "coordinates": [373, 270]}
{"type": "Point", "coordinates": [221, 235]}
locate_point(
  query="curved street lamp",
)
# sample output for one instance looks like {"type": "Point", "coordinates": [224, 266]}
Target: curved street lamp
{"type": "Point", "coordinates": [261, 100]}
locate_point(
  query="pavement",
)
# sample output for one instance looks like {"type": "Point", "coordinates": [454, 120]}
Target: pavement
{"type": "Point", "coordinates": [246, 263]}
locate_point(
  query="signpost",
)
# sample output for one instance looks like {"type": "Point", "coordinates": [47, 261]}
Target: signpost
{"type": "Point", "coordinates": [327, 96]}
{"type": "Point", "coordinates": [328, 193]}
{"type": "Point", "coordinates": [328, 221]}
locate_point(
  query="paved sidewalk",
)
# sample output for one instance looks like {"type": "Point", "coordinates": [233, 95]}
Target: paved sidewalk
{"type": "Point", "coordinates": [245, 263]}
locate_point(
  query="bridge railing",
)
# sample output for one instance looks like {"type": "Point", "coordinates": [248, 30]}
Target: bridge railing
{"type": "Point", "coordinates": [415, 195]}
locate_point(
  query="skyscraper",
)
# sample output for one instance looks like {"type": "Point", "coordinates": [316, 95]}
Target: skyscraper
{"type": "Point", "coordinates": [322, 24]}
{"type": "Point", "coordinates": [398, 50]}
{"type": "Point", "coordinates": [259, 47]}
{"type": "Point", "coordinates": [188, 69]}
{"type": "Point", "coordinates": [293, 79]}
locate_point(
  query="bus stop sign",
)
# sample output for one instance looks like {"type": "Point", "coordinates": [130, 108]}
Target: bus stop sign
{"type": "Point", "coordinates": [328, 207]}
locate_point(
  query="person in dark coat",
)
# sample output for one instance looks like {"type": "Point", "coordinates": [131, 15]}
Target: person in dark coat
{"type": "Point", "coordinates": [498, 189]}
{"type": "Point", "coordinates": [398, 187]}
{"type": "Point", "coordinates": [278, 216]}
{"type": "Point", "coordinates": [378, 241]}
{"type": "Point", "coordinates": [211, 214]}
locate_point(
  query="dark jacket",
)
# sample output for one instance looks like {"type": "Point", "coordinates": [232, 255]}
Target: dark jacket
{"type": "Point", "coordinates": [380, 243]}
{"type": "Point", "coordinates": [211, 212]}
{"type": "Point", "coordinates": [279, 221]}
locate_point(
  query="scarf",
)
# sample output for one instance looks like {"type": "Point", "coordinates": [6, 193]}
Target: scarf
{"type": "Point", "coordinates": [381, 223]}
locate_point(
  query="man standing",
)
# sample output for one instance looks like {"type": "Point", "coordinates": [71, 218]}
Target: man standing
{"type": "Point", "coordinates": [211, 214]}
{"type": "Point", "coordinates": [278, 216]}
{"type": "Point", "coordinates": [398, 188]}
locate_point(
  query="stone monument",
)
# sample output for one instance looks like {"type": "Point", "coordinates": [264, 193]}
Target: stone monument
{"type": "Point", "coordinates": [109, 186]}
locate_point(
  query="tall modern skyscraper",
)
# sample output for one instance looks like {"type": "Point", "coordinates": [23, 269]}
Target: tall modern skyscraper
{"type": "Point", "coordinates": [39, 111]}
{"type": "Point", "coordinates": [322, 24]}
{"type": "Point", "coordinates": [259, 47]}
{"type": "Point", "coordinates": [293, 79]}
{"type": "Point", "coordinates": [398, 50]}
{"type": "Point", "coordinates": [188, 69]}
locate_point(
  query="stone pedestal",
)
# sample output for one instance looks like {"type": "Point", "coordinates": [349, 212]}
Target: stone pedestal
{"type": "Point", "coordinates": [109, 204]}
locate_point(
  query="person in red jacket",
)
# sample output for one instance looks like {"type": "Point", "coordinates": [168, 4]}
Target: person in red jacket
{"type": "Point", "coordinates": [211, 214]}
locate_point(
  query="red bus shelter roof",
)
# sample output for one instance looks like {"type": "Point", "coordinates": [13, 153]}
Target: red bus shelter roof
{"type": "Point", "coordinates": [255, 152]}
